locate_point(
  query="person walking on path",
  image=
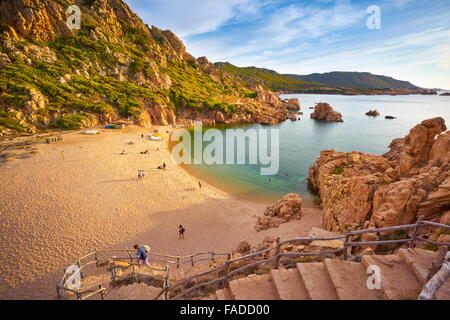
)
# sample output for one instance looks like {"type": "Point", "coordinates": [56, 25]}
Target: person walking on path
{"type": "Point", "coordinates": [181, 231]}
{"type": "Point", "coordinates": [142, 255]}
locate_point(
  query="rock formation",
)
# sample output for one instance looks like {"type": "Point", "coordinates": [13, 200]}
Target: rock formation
{"type": "Point", "coordinates": [285, 209]}
{"type": "Point", "coordinates": [411, 180]}
{"type": "Point", "coordinates": [293, 104]}
{"type": "Point", "coordinates": [323, 111]}
{"type": "Point", "coordinates": [372, 113]}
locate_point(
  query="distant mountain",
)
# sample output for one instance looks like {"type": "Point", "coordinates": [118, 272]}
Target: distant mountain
{"type": "Point", "coordinates": [265, 77]}
{"type": "Point", "coordinates": [356, 79]}
{"type": "Point", "coordinates": [367, 84]}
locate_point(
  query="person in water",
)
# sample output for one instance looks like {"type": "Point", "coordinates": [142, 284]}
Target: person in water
{"type": "Point", "coordinates": [181, 231]}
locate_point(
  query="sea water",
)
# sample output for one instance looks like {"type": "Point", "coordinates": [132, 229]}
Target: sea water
{"type": "Point", "coordinates": [301, 141]}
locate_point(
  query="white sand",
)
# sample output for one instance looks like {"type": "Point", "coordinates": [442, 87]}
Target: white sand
{"type": "Point", "coordinates": [55, 208]}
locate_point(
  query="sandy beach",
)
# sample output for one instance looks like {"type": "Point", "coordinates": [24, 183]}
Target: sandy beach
{"type": "Point", "coordinates": [55, 207]}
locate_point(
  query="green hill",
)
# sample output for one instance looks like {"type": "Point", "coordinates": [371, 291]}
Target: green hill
{"type": "Point", "coordinates": [115, 66]}
{"type": "Point", "coordinates": [355, 79]}
{"type": "Point", "coordinates": [268, 78]}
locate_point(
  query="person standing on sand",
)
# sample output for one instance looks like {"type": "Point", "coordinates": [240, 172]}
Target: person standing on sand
{"type": "Point", "coordinates": [164, 165]}
{"type": "Point", "coordinates": [123, 152]}
{"type": "Point", "coordinates": [142, 136]}
{"type": "Point", "coordinates": [200, 184]}
{"type": "Point", "coordinates": [62, 153]}
{"type": "Point", "coordinates": [181, 231]}
{"type": "Point", "coordinates": [142, 255]}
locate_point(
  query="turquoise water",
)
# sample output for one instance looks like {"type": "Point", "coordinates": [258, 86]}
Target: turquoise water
{"type": "Point", "coordinates": [301, 141]}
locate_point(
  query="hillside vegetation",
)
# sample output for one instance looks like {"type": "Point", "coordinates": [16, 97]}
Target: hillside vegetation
{"type": "Point", "coordinates": [114, 67]}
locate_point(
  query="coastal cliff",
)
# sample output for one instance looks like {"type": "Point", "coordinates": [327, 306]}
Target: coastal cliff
{"type": "Point", "coordinates": [413, 179]}
{"type": "Point", "coordinates": [113, 67]}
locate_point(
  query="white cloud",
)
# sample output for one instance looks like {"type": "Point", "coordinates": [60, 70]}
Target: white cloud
{"type": "Point", "coordinates": [192, 17]}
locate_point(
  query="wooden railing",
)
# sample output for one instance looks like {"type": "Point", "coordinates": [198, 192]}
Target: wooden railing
{"type": "Point", "coordinates": [96, 257]}
{"type": "Point", "coordinates": [225, 273]}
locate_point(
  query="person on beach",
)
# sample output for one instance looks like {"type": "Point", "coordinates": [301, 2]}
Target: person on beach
{"type": "Point", "coordinates": [62, 153]}
{"type": "Point", "coordinates": [200, 184]}
{"type": "Point", "coordinates": [123, 152]}
{"type": "Point", "coordinates": [139, 174]}
{"type": "Point", "coordinates": [164, 165]}
{"type": "Point", "coordinates": [142, 136]}
{"type": "Point", "coordinates": [181, 231]}
{"type": "Point", "coordinates": [141, 254]}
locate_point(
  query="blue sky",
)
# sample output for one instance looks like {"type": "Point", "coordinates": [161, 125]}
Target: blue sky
{"type": "Point", "coordinates": [302, 37]}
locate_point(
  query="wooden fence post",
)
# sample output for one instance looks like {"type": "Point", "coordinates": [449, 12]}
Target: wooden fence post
{"type": "Point", "coordinates": [192, 260]}
{"type": "Point", "coordinates": [178, 262]}
{"type": "Point", "coordinates": [227, 271]}
{"type": "Point", "coordinates": [415, 231]}
{"type": "Point", "coordinates": [347, 237]}
{"type": "Point", "coordinates": [277, 254]}
{"type": "Point", "coordinates": [166, 284]}
{"type": "Point", "coordinates": [102, 293]}
{"type": "Point", "coordinates": [212, 256]}
{"type": "Point", "coordinates": [96, 259]}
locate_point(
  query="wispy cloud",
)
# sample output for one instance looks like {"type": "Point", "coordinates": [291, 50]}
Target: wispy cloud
{"type": "Point", "coordinates": [187, 18]}
{"type": "Point", "coordinates": [304, 36]}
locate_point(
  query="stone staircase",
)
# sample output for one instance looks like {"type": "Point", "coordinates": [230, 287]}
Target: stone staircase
{"type": "Point", "coordinates": [402, 276]}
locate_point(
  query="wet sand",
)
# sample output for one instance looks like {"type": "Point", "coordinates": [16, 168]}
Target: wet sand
{"type": "Point", "coordinates": [55, 208]}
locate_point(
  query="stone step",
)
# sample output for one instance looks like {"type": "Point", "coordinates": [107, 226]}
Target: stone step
{"type": "Point", "coordinates": [289, 285]}
{"type": "Point", "coordinates": [254, 287]}
{"type": "Point", "coordinates": [398, 281]}
{"type": "Point", "coordinates": [317, 281]}
{"type": "Point", "coordinates": [350, 280]}
{"type": "Point", "coordinates": [419, 260]}
{"type": "Point", "coordinates": [224, 294]}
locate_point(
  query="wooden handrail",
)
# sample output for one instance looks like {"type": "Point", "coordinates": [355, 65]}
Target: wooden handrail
{"type": "Point", "coordinates": [278, 255]}
{"type": "Point", "coordinates": [347, 244]}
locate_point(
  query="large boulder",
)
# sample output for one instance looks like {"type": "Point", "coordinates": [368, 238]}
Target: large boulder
{"type": "Point", "coordinates": [418, 143]}
{"type": "Point", "coordinates": [293, 104]}
{"type": "Point", "coordinates": [323, 111]}
{"type": "Point", "coordinates": [440, 151]}
{"type": "Point", "coordinates": [410, 181]}
{"type": "Point", "coordinates": [372, 113]}
{"type": "Point", "coordinates": [290, 206]}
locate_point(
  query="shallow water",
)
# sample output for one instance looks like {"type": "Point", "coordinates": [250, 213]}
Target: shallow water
{"type": "Point", "coordinates": [302, 141]}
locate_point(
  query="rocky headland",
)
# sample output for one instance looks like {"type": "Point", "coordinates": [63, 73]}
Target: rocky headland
{"type": "Point", "coordinates": [360, 190]}
{"type": "Point", "coordinates": [114, 67]}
